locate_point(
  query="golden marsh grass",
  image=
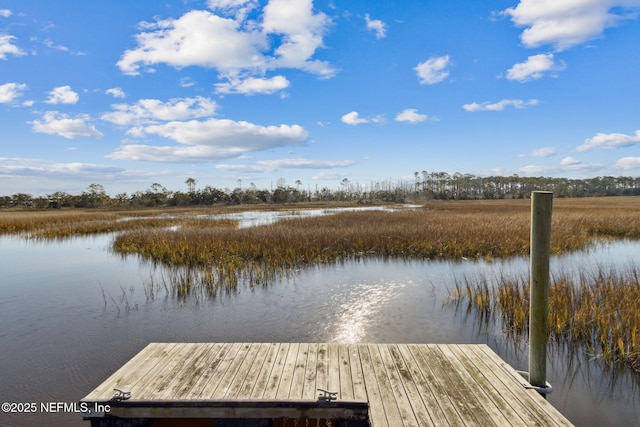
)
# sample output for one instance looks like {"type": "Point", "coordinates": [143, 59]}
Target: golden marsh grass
{"type": "Point", "coordinates": [599, 310]}
{"type": "Point", "coordinates": [438, 230]}
{"type": "Point", "coordinates": [76, 222]}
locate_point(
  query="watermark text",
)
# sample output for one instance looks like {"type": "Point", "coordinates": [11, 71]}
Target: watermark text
{"type": "Point", "coordinates": [54, 407]}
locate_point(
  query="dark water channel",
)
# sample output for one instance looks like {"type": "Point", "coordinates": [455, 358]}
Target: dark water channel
{"type": "Point", "coordinates": [72, 312]}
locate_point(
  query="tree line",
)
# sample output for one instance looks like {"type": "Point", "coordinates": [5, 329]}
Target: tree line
{"type": "Point", "coordinates": [424, 186]}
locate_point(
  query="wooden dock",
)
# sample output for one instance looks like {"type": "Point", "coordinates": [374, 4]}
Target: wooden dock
{"type": "Point", "coordinates": [276, 384]}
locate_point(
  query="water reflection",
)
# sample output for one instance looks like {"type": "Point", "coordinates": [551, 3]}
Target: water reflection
{"type": "Point", "coordinates": [257, 218]}
{"type": "Point", "coordinates": [65, 325]}
{"type": "Point", "coordinates": [360, 310]}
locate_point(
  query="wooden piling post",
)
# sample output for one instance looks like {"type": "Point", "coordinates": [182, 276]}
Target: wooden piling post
{"type": "Point", "coordinates": [541, 207]}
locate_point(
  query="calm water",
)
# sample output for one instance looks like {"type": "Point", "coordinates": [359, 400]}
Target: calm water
{"type": "Point", "coordinates": [72, 312]}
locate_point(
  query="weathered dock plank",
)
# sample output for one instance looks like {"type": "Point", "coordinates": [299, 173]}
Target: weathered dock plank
{"type": "Point", "coordinates": [391, 409]}
{"type": "Point", "coordinates": [286, 378]}
{"type": "Point", "coordinates": [406, 380]}
{"type": "Point", "coordinates": [235, 368]}
{"type": "Point", "coordinates": [199, 378]}
{"type": "Point", "coordinates": [402, 401]}
{"type": "Point", "coordinates": [374, 395]}
{"type": "Point", "coordinates": [240, 388]}
{"type": "Point", "coordinates": [423, 386]}
{"type": "Point", "coordinates": [344, 368]}
{"type": "Point", "coordinates": [156, 380]}
{"type": "Point", "coordinates": [392, 384]}
{"type": "Point", "coordinates": [322, 367]}
{"type": "Point", "coordinates": [548, 411]}
{"type": "Point", "coordinates": [309, 386]}
{"type": "Point", "coordinates": [131, 373]}
{"type": "Point", "coordinates": [201, 372]}
{"type": "Point", "coordinates": [463, 398]}
{"type": "Point", "coordinates": [189, 369]}
{"type": "Point", "coordinates": [297, 380]}
{"type": "Point", "coordinates": [357, 376]}
{"type": "Point", "coordinates": [433, 381]}
{"type": "Point", "coordinates": [474, 380]}
{"type": "Point", "coordinates": [262, 380]}
{"type": "Point", "coordinates": [501, 387]}
{"type": "Point", "coordinates": [276, 372]}
{"type": "Point", "coordinates": [218, 374]}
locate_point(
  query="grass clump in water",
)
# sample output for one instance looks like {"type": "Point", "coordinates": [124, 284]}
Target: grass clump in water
{"type": "Point", "coordinates": [599, 311]}
{"type": "Point", "coordinates": [78, 222]}
{"type": "Point", "coordinates": [453, 230]}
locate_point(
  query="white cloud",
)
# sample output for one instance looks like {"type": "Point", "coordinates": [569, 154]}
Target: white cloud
{"type": "Point", "coordinates": [330, 176]}
{"type": "Point", "coordinates": [499, 106]}
{"type": "Point", "coordinates": [379, 27]}
{"type": "Point", "coordinates": [274, 165]}
{"type": "Point", "coordinates": [564, 24]}
{"type": "Point", "coordinates": [56, 123]}
{"type": "Point", "coordinates": [199, 140]}
{"type": "Point", "coordinates": [62, 95]}
{"type": "Point", "coordinates": [212, 139]}
{"type": "Point", "coordinates": [433, 70]}
{"type": "Point", "coordinates": [626, 163]}
{"type": "Point", "coordinates": [228, 133]}
{"type": "Point", "coordinates": [77, 167]}
{"type": "Point", "coordinates": [609, 140]}
{"type": "Point", "coordinates": [239, 9]}
{"type": "Point", "coordinates": [7, 47]}
{"type": "Point", "coordinates": [253, 85]}
{"type": "Point", "coordinates": [6, 40]}
{"type": "Point", "coordinates": [287, 37]}
{"type": "Point", "coordinates": [41, 168]}
{"type": "Point", "coordinates": [411, 115]}
{"type": "Point", "coordinates": [534, 68]}
{"type": "Point", "coordinates": [187, 82]}
{"type": "Point", "coordinates": [302, 33]}
{"type": "Point", "coordinates": [62, 48]}
{"type": "Point", "coordinates": [570, 161]}
{"type": "Point", "coordinates": [568, 164]}
{"type": "Point", "coordinates": [541, 152]}
{"type": "Point", "coordinates": [198, 38]}
{"type": "Point", "coordinates": [152, 111]}
{"type": "Point", "coordinates": [304, 163]}
{"type": "Point", "coordinates": [9, 92]}
{"type": "Point", "coordinates": [59, 47]}
{"type": "Point", "coordinates": [353, 118]}
{"type": "Point", "coordinates": [116, 92]}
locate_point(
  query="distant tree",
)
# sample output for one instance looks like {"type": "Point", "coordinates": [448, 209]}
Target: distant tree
{"type": "Point", "coordinates": [60, 199]}
{"type": "Point", "coordinates": [280, 195]}
{"type": "Point", "coordinates": [22, 200]}
{"type": "Point", "coordinates": [120, 199]}
{"type": "Point", "coordinates": [156, 195]}
{"type": "Point", "coordinates": [191, 183]}
{"type": "Point", "coordinates": [95, 196]}
{"type": "Point", "coordinates": [346, 184]}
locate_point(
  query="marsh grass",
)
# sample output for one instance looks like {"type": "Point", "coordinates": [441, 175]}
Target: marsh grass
{"type": "Point", "coordinates": [77, 222]}
{"type": "Point", "coordinates": [452, 230]}
{"type": "Point", "coordinates": [598, 310]}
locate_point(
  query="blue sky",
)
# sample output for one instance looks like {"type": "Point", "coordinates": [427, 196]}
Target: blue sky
{"type": "Point", "coordinates": [235, 92]}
